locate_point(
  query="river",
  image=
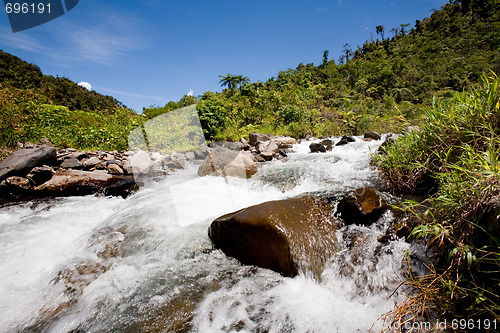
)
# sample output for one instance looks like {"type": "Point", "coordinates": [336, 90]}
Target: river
{"type": "Point", "coordinates": [146, 264]}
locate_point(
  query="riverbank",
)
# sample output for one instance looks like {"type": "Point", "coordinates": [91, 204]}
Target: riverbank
{"type": "Point", "coordinates": [455, 158]}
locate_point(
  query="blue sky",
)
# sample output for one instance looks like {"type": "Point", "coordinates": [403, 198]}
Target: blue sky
{"type": "Point", "coordinates": [152, 51]}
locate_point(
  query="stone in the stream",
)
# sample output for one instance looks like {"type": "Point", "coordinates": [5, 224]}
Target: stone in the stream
{"type": "Point", "coordinates": [284, 236]}
{"type": "Point", "coordinates": [141, 163]}
{"type": "Point", "coordinates": [317, 148]}
{"type": "Point", "coordinates": [327, 143]}
{"type": "Point", "coordinates": [22, 161]}
{"type": "Point", "coordinates": [372, 136]}
{"type": "Point", "coordinates": [285, 141]}
{"type": "Point", "coordinates": [224, 162]}
{"type": "Point", "coordinates": [345, 140]}
{"type": "Point", "coordinates": [362, 206]}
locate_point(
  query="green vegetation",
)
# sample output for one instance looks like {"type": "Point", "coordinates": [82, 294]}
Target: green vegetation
{"type": "Point", "coordinates": [459, 149]}
{"type": "Point", "coordinates": [382, 85]}
{"type": "Point", "coordinates": [33, 105]}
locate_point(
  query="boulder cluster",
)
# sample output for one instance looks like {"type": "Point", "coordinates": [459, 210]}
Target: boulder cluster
{"type": "Point", "coordinates": [41, 170]}
{"type": "Point", "coordinates": [327, 144]}
{"type": "Point", "coordinates": [239, 159]}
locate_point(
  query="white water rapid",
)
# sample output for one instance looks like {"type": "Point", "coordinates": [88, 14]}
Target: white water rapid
{"type": "Point", "coordinates": [146, 264]}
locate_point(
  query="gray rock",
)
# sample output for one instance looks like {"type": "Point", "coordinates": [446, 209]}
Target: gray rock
{"type": "Point", "coordinates": [71, 163]}
{"type": "Point", "coordinates": [285, 141]}
{"type": "Point", "coordinates": [201, 154]}
{"type": "Point", "coordinates": [233, 145]}
{"type": "Point", "coordinates": [115, 169]}
{"type": "Point", "coordinates": [267, 156]}
{"type": "Point", "coordinates": [22, 161]}
{"type": "Point", "coordinates": [345, 140]}
{"type": "Point", "coordinates": [372, 135]}
{"type": "Point", "coordinates": [40, 175]}
{"type": "Point", "coordinates": [45, 142]}
{"type": "Point", "coordinates": [225, 162]}
{"type": "Point", "coordinates": [317, 148]}
{"type": "Point", "coordinates": [190, 155]}
{"type": "Point", "coordinates": [91, 162]}
{"type": "Point", "coordinates": [254, 138]}
{"type": "Point", "coordinates": [141, 163]}
{"type": "Point", "coordinates": [267, 147]}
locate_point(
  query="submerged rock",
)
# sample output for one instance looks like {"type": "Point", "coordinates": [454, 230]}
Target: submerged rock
{"type": "Point", "coordinates": [284, 235]}
{"type": "Point", "coordinates": [223, 162]}
{"type": "Point", "coordinates": [362, 206]}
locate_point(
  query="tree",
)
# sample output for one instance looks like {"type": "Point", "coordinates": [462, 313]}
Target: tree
{"type": "Point", "coordinates": [380, 30]}
{"type": "Point", "coordinates": [325, 57]}
{"type": "Point", "coordinates": [233, 81]}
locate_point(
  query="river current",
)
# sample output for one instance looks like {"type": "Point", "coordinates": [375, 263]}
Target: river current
{"type": "Point", "coordinates": [146, 264]}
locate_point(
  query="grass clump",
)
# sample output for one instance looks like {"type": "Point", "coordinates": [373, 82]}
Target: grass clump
{"type": "Point", "coordinates": [455, 154]}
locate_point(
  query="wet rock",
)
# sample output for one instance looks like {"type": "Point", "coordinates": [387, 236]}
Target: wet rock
{"type": "Point", "coordinates": [267, 156]}
{"type": "Point", "coordinates": [362, 206]}
{"type": "Point", "coordinates": [317, 148]}
{"type": "Point", "coordinates": [285, 236]}
{"type": "Point", "coordinates": [22, 161]}
{"type": "Point", "coordinates": [40, 175]}
{"type": "Point", "coordinates": [327, 143]}
{"type": "Point", "coordinates": [224, 162]}
{"type": "Point", "coordinates": [141, 163]}
{"type": "Point", "coordinates": [71, 163]}
{"type": "Point", "coordinates": [175, 163]}
{"type": "Point", "coordinates": [283, 153]}
{"type": "Point", "coordinates": [259, 158]}
{"type": "Point", "coordinates": [345, 140]}
{"type": "Point", "coordinates": [372, 136]}
{"type": "Point", "coordinates": [190, 156]}
{"type": "Point", "coordinates": [254, 138]}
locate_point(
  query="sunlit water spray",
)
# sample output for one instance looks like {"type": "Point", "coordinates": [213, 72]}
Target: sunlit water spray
{"type": "Point", "coordinates": [145, 263]}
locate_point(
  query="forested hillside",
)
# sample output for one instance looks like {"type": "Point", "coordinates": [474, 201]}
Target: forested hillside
{"type": "Point", "coordinates": [383, 85]}
{"type": "Point", "coordinates": [34, 105]}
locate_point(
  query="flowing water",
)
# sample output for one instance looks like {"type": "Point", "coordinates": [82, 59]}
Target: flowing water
{"type": "Point", "coordinates": [146, 264]}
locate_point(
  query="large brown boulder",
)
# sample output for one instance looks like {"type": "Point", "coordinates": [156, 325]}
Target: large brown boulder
{"type": "Point", "coordinates": [22, 161]}
{"type": "Point", "coordinates": [284, 236]}
{"type": "Point", "coordinates": [224, 162]}
{"type": "Point", "coordinates": [362, 206]}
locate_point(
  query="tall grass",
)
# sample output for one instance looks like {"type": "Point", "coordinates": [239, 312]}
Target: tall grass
{"type": "Point", "coordinates": [455, 154]}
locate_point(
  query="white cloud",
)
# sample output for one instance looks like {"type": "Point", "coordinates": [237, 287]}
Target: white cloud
{"type": "Point", "coordinates": [191, 92]}
{"type": "Point", "coordinates": [86, 85]}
